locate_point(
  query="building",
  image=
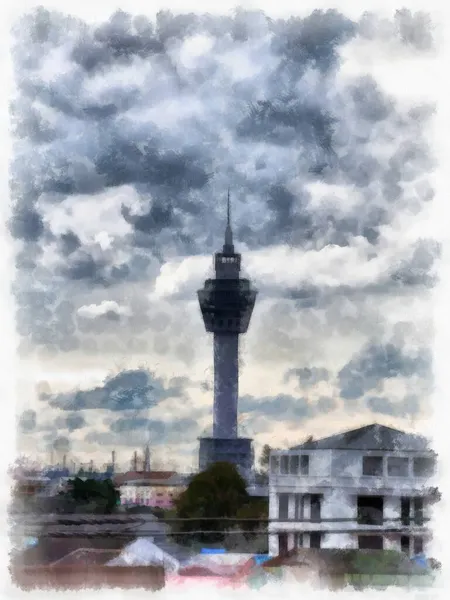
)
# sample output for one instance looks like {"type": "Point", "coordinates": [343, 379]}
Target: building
{"type": "Point", "coordinates": [156, 489]}
{"type": "Point", "coordinates": [226, 303]}
{"type": "Point", "coordinates": [367, 488]}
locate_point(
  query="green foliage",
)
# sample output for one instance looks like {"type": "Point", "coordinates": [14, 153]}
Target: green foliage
{"type": "Point", "coordinates": [383, 562]}
{"type": "Point", "coordinates": [217, 492]}
{"type": "Point", "coordinates": [96, 496]}
{"type": "Point", "coordinates": [265, 457]}
{"type": "Point", "coordinates": [253, 509]}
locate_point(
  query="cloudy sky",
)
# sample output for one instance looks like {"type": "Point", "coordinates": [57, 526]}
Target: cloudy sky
{"type": "Point", "coordinates": [127, 133]}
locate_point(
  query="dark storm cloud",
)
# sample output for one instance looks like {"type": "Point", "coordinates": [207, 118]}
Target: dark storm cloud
{"type": "Point", "coordinates": [27, 421]}
{"type": "Point", "coordinates": [128, 390]}
{"type": "Point", "coordinates": [27, 224]}
{"type": "Point", "coordinates": [283, 406]}
{"type": "Point", "coordinates": [376, 362]}
{"type": "Point", "coordinates": [325, 404]}
{"type": "Point", "coordinates": [289, 119]}
{"type": "Point", "coordinates": [307, 376]}
{"type": "Point", "coordinates": [75, 421]}
{"type": "Point", "coordinates": [61, 444]}
{"type": "Point", "coordinates": [418, 269]}
{"type": "Point", "coordinates": [407, 407]}
{"type": "Point", "coordinates": [69, 242]}
{"type": "Point", "coordinates": [132, 431]}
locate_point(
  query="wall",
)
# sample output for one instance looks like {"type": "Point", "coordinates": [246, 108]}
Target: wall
{"type": "Point", "coordinates": [155, 496]}
{"type": "Point", "coordinates": [79, 577]}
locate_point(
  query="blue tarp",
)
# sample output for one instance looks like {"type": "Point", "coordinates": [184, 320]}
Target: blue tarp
{"type": "Point", "coordinates": [261, 558]}
{"type": "Point", "coordinates": [421, 560]}
{"type": "Point", "coordinates": [213, 551]}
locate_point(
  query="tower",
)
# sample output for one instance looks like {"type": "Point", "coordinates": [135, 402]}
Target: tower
{"type": "Point", "coordinates": [146, 466]}
{"type": "Point", "coordinates": [226, 303]}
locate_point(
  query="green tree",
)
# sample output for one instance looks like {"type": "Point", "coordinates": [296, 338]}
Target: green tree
{"type": "Point", "coordinates": [92, 495]}
{"type": "Point", "coordinates": [217, 492]}
{"type": "Point", "coordinates": [264, 459]}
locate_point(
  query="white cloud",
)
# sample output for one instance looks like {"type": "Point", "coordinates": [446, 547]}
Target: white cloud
{"type": "Point", "coordinates": [92, 311]}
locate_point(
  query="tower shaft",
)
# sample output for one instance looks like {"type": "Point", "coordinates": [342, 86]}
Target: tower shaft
{"type": "Point", "coordinates": [226, 384]}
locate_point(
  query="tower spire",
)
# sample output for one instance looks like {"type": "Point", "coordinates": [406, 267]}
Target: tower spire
{"type": "Point", "coordinates": [228, 246]}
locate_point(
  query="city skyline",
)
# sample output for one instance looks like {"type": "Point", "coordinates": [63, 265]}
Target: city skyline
{"type": "Point", "coordinates": [127, 137]}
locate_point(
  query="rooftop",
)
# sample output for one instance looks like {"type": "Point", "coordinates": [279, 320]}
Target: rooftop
{"type": "Point", "coordinates": [144, 476]}
{"type": "Point", "coordinates": [370, 437]}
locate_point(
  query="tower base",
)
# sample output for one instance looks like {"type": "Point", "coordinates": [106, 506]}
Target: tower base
{"type": "Point", "coordinates": [238, 451]}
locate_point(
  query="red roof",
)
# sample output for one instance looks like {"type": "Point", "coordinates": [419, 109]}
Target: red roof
{"type": "Point", "coordinates": [151, 476]}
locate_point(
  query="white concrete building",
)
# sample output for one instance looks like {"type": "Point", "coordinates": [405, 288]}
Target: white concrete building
{"type": "Point", "coordinates": [366, 488]}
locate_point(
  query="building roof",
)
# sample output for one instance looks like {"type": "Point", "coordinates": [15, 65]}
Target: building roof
{"type": "Point", "coordinates": [370, 437]}
{"type": "Point", "coordinates": [152, 477]}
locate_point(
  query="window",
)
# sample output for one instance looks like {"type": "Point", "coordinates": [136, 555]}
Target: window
{"type": "Point", "coordinates": [294, 464]}
{"type": "Point", "coordinates": [299, 540]}
{"type": "Point", "coordinates": [282, 544]}
{"type": "Point", "coordinates": [418, 545]}
{"type": "Point", "coordinates": [315, 507]}
{"type": "Point", "coordinates": [373, 466]}
{"type": "Point", "coordinates": [304, 464]}
{"type": "Point", "coordinates": [405, 511]}
{"type": "Point", "coordinates": [418, 511]}
{"type": "Point", "coordinates": [283, 506]}
{"type": "Point", "coordinates": [370, 542]}
{"type": "Point", "coordinates": [314, 539]}
{"type": "Point", "coordinates": [397, 466]}
{"type": "Point", "coordinates": [284, 465]}
{"type": "Point", "coordinates": [405, 544]}
{"type": "Point", "coordinates": [370, 510]}
{"type": "Point", "coordinates": [423, 466]}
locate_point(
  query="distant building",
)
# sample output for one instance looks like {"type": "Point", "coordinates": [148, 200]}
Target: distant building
{"type": "Point", "coordinates": [375, 479]}
{"type": "Point", "coordinates": [156, 489]}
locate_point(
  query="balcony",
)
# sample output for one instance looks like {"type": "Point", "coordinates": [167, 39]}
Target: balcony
{"type": "Point", "coordinates": [395, 486]}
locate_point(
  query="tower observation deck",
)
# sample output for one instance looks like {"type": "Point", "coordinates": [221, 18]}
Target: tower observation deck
{"type": "Point", "coordinates": [226, 303]}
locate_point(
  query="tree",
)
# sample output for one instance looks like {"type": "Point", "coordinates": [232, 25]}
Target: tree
{"type": "Point", "coordinates": [92, 495]}
{"type": "Point", "coordinates": [217, 492]}
{"type": "Point", "coordinates": [265, 458]}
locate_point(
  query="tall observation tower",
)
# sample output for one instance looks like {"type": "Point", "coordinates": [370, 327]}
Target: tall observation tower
{"type": "Point", "coordinates": [227, 304]}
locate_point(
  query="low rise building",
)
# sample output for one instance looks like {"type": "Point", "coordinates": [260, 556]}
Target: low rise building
{"type": "Point", "coordinates": [367, 488]}
{"type": "Point", "coordinates": [156, 489]}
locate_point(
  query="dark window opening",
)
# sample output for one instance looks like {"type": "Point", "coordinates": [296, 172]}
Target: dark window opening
{"type": "Point", "coordinates": [418, 545]}
{"type": "Point", "coordinates": [370, 510]}
{"type": "Point", "coordinates": [304, 464]}
{"type": "Point", "coordinates": [284, 466]}
{"type": "Point", "coordinates": [314, 539]}
{"type": "Point", "coordinates": [405, 544]}
{"type": "Point", "coordinates": [282, 544]}
{"type": "Point", "coordinates": [294, 464]}
{"type": "Point", "coordinates": [283, 506]}
{"type": "Point", "coordinates": [299, 540]}
{"type": "Point", "coordinates": [418, 511]}
{"type": "Point", "coordinates": [397, 466]}
{"type": "Point", "coordinates": [405, 511]}
{"type": "Point", "coordinates": [424, 466]}
{"type": "Point", "coordinates": [370, 542]}
{"type": "Point", "coordinates": [315, 508]}
{"type": "Point", "coordinates": [373, 466]}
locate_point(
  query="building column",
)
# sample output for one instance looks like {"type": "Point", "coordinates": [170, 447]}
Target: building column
{"type": "Point", "coordinates": [291, 515]}
{"type": "Point", "coordinates": [391, 510]}
{"type": "Point", "coordinates": [307, 507]}
{"type": "Point", "coordinates": [273, 514]}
